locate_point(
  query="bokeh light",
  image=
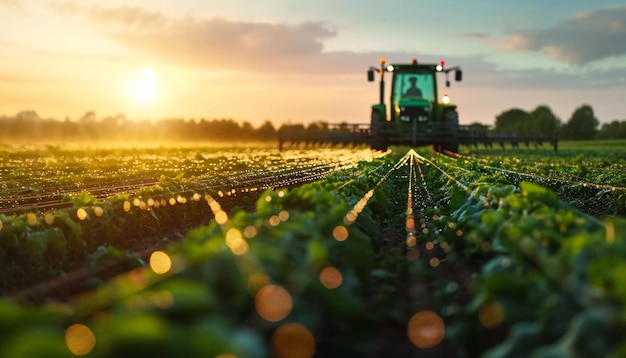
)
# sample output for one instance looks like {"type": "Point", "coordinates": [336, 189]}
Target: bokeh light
{"type": "Point", "coordinates": [249, 231]}
{"type": "Point", "coordinates": [274, 220]}
{"type": "Point", "coordinates": [340, 233]}
{"type": "Point", "coordinates": [434, 262]}
{"type": "Point", "coordinates": [411, 240]}
{"type": "Point", "coordinates": [79, 339]}
{"type": "Point", "coordinates": [48, 218]}
{"type": "Point", "coordinates": [31, 219]}
{"type": "Point", "coordinates": [126, 206]}
{"type": "Point", "coordinates": [98, 211]}
{"type": "Point", "coordinates": [273, 303]}
{"type": "Point", "coordinates": [410, 224]}
{"type": "Point", "coordinates": [283, 215]}
{"type": "Point", "coordinates": [81, 214]}
{"type": "Point", "coordinates": [221, 217]}
{"type": "Point", "coordinates": [292, 340]}
{"type": "Point", "coordinates": [331, 278]}
{"type": "Point", "coordinates": [160, 262]}
{"type": "Point", "coordinates": [233, 235]}
{"type": "Point", "coordinates": [426, 329]}
{"type": "Point", "coordinates": [350, 217]}
{"type": "Point", "coordinates": [236, 243]}
{"type": "Point", "coordinates": [491, 314]}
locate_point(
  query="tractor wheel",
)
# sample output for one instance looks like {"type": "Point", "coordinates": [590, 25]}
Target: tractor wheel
{"type": "Point", "coordinates": [378, 140]}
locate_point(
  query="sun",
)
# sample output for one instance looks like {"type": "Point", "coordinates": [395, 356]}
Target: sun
{"type": "Point", "coordinates": [143, 87]}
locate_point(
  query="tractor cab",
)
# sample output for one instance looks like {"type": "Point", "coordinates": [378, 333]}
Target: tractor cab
{"type": "Point", "coordinates": [413, 95]}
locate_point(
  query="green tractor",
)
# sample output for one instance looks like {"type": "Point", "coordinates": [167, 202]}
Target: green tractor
{"type": "Point", "coordinates": [418, 113]}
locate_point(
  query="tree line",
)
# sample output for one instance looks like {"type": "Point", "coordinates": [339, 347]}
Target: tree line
{"type": "Point", "coordinates": [29, 126]}
{"type": "Point", "coordinates": [582, 124]}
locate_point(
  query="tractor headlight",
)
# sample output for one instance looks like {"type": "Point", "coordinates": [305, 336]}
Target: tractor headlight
{"type": "Point", "coordinates": [445, 99]}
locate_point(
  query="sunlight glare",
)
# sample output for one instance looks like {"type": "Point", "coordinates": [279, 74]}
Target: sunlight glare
{"type": "Point", "coordinates": [143, 87]}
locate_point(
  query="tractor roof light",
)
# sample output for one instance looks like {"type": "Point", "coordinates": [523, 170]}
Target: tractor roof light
{"type": "Point", "coordinates": [390, 68]}
{"type": "Point", "coordinates": [445, 99]}
{"type": "Point", "coordinates": [439, 67]}
{"type": "Point", "coordinates": [414, 61]}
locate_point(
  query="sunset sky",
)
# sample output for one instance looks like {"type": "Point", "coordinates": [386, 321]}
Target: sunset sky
{"type": "Point", "coordinates": [301, 61]}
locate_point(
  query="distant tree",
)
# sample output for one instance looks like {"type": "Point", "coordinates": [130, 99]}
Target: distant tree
{"type": "Point", "coordinates": [88, 117]}
{"type": "Point", "coordinates": [582, 124]}
{"type": "Point", "coordinates": [343, 127]}
{"type": "Point", "coordinates": [613, 130]}
{"type": "Point", "coordinates": [541, 121]}
{"type": "Point", "coordinates": [511, 121]}
{"type": "Point", "coordinates": [89, 126]}
{"type": "Point", "coordinates": [317, 127]}
{"type": "Point", "coordinates": [266, 131]}
{"type": "Point", "coordinates": [247, 131]}
{"type": "Point", "coordinates": [27, 124]}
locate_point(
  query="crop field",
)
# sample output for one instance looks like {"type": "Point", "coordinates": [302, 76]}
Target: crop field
{"type": "Point", "coordinates": [326, 252]}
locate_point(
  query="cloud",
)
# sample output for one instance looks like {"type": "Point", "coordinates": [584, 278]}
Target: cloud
{"type": "Point", "coordinates": [13, 3]}
{"type": "Point", "coordinates": [216, 42]}
{"type": "Point", "coordinates": [584, 38]}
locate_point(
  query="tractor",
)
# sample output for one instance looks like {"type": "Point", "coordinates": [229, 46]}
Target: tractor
{"type": "Point", "coordinates": [417, 114]}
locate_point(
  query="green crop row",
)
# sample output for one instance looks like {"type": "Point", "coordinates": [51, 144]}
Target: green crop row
{"type": "Point", "coordinates": [90, 232]}
{"type": "Point", "coordinates": [246, 287]}
{"type": "Point", "coordinates": [341, 267]}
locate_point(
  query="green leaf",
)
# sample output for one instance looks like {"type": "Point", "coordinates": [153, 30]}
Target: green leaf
{"type": "Point", "coordinates": [36, 244]}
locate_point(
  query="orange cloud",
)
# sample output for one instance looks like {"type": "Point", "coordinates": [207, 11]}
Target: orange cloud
{"type": "Point", "coordinates": [216, 42]}
{"type": "Point", "coordinates": [584, 38]}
